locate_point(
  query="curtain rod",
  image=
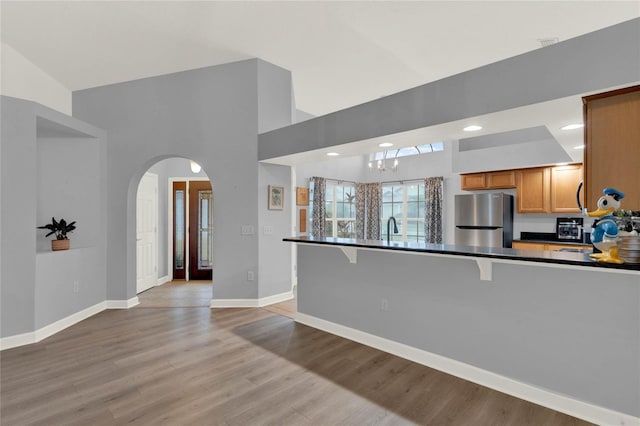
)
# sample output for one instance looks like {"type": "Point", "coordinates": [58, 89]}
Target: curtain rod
{"type": "Point", "coordinates": [387, 181]}
{"type": "Point", "coordinates": [404, 180]}
{"type": "Point", "coordinates": [340, 180]}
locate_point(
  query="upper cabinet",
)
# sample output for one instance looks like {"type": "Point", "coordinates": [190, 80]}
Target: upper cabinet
{"type": "Point", "coordinates": [538, 189]}
{"type": "Point", "coordinates": [612, 145]}
{"type": "Point", "coordinates": [488, 180]}
{"type": "Point", "coordinates": [564, 183]}
{"type": "Point", "coordinates": [548, 189]}
{"type": "Point", "coordinates": [473, 181]}
{"type": "Point", "coordinates": [532, 188]}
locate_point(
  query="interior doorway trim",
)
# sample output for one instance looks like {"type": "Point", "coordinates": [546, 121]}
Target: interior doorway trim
{"type": "Point", "coordinates": [170, 220]}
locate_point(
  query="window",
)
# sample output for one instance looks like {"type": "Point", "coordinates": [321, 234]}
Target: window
{"type": "Point", "coordinates": [341, 210]}
{"type": "Point", "coordinates": [410, 150]}
{"type": "Point", "coordinates": [406, 203]}
{"type": "Point", "coordinates": [340, 205]}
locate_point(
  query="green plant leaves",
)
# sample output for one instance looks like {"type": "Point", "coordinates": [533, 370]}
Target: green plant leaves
{"type": "Point", "coordinates": [60, 228]}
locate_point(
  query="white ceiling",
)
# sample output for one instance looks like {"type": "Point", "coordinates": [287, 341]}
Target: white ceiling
{"type": "Point", "coordinates": [340, 53]}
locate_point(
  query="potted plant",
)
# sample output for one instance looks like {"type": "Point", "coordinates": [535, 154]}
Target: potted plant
{"type": "Point", "coordinates": [61, 229]}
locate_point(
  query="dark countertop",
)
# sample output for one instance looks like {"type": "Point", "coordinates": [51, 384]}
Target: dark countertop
{"type": "Point", "coordinates": [550, 238]}
{"type": "Point", "coordinates": [557, 257]}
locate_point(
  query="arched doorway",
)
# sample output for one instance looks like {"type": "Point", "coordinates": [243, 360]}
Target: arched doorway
{"type": "Point", "coordinates": [180, 221]}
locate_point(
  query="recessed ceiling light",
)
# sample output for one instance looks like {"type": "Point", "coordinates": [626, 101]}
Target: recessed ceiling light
{"type": "Point", "coordinates": [572, 126]}
{"type": "Point", "coordinates": [562, 164]}
{"type": "Point", "coordinates": [385, 144]}
{"type": "Point", "coordinates": [333, 154]}
{"type": "Point", "coordinates": [472, 128]}
{"type": "Point", "coordinates": [579, 147]}
{"type": "Point", "coordinates": [544, 42]}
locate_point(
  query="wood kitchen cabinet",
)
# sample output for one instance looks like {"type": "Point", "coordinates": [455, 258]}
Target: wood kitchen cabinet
{"type": "Point", "coordinates": [473, 181]}
{"type": "Point", "coordinates": [502, 179]}
{"type": "Point", "coordinates": [548, 189]}
{"type": "Point", "coordinates": [533, 189]}
{"type": "Point", "coordinates": [538, 189]}
{"type": "Point", "coordinates": [564, 182]}
{"type": "Point", "coordinates": [612, 145]}
{"type": "Point", "coordinates": [526, 245]}
{"type": "Point", "coordinates": [522, 245]}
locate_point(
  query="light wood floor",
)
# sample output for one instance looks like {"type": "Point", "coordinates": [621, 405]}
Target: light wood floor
{"type": "Point", "coordinates": [198, 366]}
{"type": "Point", "coordinates": [178, 293]}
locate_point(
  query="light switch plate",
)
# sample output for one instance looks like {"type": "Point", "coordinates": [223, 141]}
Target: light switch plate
{"type": "Point", "coordinates": [268, 230]}
{"type": "Point", "coordinates": [247, 230]}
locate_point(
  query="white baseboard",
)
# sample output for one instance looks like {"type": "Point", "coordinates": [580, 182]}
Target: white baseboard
{"type": "Point", "coordinates": [51, 329]}
{"type": "Point", "coordinates": [122, 304]}
{"type": "Point", "coordinates": [276, 298]}
{"type": "Point", "coordinates": [55, 327]}
{"type": "Point", "coordinates": [17, 340]}
{"type": "Point", "coordinates": [544, 397]}
{"type": "Point", "coordinates": [251, 303]}
{"type": "Point", "coordinates": [163, 280]}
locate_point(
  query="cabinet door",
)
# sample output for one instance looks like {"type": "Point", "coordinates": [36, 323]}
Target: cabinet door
{"type": "Point", "coordinates": [527, 246]}
{"type": "Point", "coordinates": [533, 190]}
{"type": "Point", "coordinates": [612, 152]}
{"type": "Point", "coordinates": [564, 183]}
{"type": "Point", "coordinates": [473, 181]}
{"type": "Point", "coordinates": [557, 247]}
{"type": "Point", "coordinates": [501, 180]}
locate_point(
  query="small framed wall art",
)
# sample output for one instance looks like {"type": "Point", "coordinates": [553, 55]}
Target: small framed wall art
{"type": "Point", "coordinates": [276, 197]}
{"type": "Point", "coordinates": [303, 220]}
{"type": "Point", "coordinates": [302, 196]}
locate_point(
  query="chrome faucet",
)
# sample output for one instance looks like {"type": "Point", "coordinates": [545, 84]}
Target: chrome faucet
{"type": "Point", "coordinates": [395, 227]}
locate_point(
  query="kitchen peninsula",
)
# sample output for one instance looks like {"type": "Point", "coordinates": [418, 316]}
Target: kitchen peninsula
{"type": "Point", "coordinates": [555, 328]}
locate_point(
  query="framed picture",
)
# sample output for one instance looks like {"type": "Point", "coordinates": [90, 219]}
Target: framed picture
{"type": "Point", "coordinates": [303, 220]}
{"type": "Point", "coordinates": [276, 197]}
{"type": "Point", "coordinates": [302, 196]}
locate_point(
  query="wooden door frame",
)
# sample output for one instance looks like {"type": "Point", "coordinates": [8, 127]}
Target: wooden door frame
{"type": "Point", "coordinates": [194, 189]}
{"type": "Point", "coordinates": [174, 188]}
{"type": "Point", "coordinates": [170, 221]}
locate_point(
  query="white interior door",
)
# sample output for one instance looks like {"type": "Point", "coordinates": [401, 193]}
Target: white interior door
{"type": "Point", "coordinates": [146, 232]}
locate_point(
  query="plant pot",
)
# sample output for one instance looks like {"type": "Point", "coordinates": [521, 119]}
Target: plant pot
{"type": "Point", "coordinates": [59, 245]}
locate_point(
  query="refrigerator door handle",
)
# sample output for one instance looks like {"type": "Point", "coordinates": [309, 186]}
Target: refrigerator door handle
{"type": "Point", "coordinates": [479, 227]}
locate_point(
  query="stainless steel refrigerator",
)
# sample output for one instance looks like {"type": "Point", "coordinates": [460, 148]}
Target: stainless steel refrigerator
{"type": "Point", "coordinates": [484, 219]}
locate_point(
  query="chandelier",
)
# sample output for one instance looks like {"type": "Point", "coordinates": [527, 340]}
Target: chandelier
{"type": "Point", "coordinates": [381, 164]}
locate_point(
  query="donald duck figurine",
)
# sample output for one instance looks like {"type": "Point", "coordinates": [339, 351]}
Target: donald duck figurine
{"type": "Point", "coordinates": [604, 233]}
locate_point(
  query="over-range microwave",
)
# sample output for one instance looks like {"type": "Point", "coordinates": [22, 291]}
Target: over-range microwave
{"type": "Point", "coordinates": [569, 228]}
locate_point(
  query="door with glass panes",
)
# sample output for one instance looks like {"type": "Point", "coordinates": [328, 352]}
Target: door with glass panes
{"type": "Point", "coordinates": [192, 230]}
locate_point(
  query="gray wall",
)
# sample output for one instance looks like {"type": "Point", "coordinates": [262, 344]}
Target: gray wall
{"type": "Point", "coordinates": [275, 256]}
{"type": "Point", "coordinates": [574, 332]}
{"type": "Point", "coordinates": [209, 115]}
{"type": "Point", "coordinates": [531, 154]}
{"type": "Point", "coordinates": [18, 216]}
{"type": "Point", "coordinates": [275, 97]}
{"type": "Point", "coordinates": [601, 59]}
{"type": "Point", "coordinates": [68, 188]}
{"type": "Point", "coordinates": [52, 165]}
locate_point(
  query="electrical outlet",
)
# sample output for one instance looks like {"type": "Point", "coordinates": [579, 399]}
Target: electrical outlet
{"type": "Point", "coordinates": [76, 286]}
{"type": "Point", "coordinates": [384, 304]}
{"type": "Point", "coordinates": [249, 275]}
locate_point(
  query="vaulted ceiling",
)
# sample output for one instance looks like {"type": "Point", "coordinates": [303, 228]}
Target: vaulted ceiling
{"type": "Point", "coordinates": [340, 53]}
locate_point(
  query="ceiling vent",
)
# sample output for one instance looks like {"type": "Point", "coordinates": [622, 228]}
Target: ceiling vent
{"type": "Point", "coordinates": [544, 42]}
